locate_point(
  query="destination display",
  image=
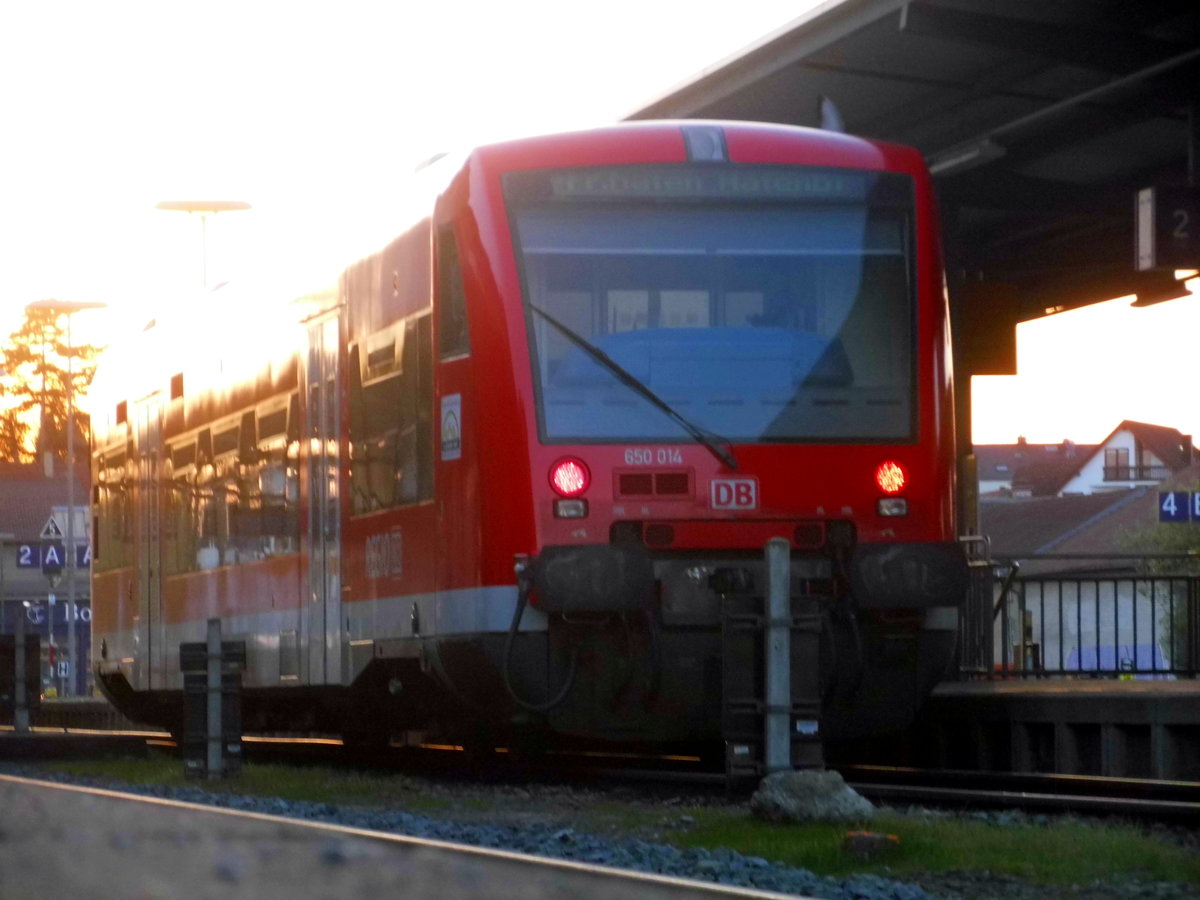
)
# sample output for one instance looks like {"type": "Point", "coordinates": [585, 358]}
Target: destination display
{"type": "Point", "coordinates": [775, 182]}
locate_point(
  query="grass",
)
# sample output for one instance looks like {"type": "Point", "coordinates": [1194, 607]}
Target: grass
{"type": "Point", "coordinates": [314, 784]}
{"type": "Point", "coordinates": [1063, 852]}
{"type": "Point", "coordinates": [1060, 852]}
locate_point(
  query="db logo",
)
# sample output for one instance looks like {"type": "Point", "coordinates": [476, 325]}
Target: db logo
{"type": "Point", "coordinates": [734, 493]}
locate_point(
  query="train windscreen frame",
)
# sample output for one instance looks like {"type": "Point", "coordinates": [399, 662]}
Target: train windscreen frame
{"type": "Point", "coordinates": [764, 304]}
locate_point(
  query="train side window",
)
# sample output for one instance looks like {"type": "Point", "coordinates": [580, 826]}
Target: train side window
{"type": "Point", "coordinates": [129, 478]}
{"type": "Point", "coordinates": [111, 520]}
{"type": "Point", "coordinates": [180, 532]}
{"type": "Point", "coordinates": [268, 520]}
{"type": "Point", "coordinates": [179, 554]}
{"type": "Point", "coordinates": [208, 554]}
{"type": "Point", "coordinates": [415, 453]}
{"type": "Point", "coordinates": [451, 297]}
{"type": "Point", "coordinates": [420, 338]}
{"type": "Point", "coordinates": [391, 423]}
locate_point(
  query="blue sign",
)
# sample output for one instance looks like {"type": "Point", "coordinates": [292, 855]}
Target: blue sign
{"type": "Point", "coordinates": [1178, 506]}
{"type": "Point", "coordinates": [51, 555]}
{"type": "Point", "coordinates": [54, 555]}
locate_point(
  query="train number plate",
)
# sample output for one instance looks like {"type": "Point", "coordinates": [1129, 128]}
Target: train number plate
{"type": "Point", "coordinates": [733, 493]}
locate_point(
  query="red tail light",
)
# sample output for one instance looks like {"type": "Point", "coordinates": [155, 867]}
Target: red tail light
{"type": "Point", "coordinates": [891, 477]}
{"type": "Point", "coordinates": [570, 477]}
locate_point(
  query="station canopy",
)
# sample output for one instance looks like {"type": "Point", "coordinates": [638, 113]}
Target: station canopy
{"type": "Point", "coordinates": [1041, 120]}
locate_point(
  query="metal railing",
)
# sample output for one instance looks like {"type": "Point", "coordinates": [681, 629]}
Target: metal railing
{"type": "Point", "coordinates": [1082, 626]}
{"type": "Point", "coordinates": [1136, 473]}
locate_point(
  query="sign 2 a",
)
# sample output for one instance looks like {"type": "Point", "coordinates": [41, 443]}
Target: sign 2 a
{"type": "Point", "coordinates": [52, 555]}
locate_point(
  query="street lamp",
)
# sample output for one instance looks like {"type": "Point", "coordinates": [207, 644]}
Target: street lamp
{"type": "Point", "coordinates": [69, 308]}
{"type": "Point", "coordinates": [204, 208]}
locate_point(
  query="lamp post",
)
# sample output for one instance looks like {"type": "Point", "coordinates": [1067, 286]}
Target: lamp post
{"type": "Point", "coordinates": [69, 308]}
{"type": "Point", "coordinates": [204, 208]}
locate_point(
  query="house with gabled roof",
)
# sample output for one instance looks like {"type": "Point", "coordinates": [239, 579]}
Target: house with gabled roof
{"type": "Point", "coordinates": [997, 465]}
{"type": "Point", "coordinates": [1135, 454]}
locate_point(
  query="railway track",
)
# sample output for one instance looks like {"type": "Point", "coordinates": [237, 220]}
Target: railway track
{"type": "Point", "coordinates": [1139, 798]}
{"type": "Point", "coordinates": [674, 774]}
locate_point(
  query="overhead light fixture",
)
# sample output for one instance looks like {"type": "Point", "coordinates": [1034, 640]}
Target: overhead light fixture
{"type": "Point", "coordinates": [965, 156]}
{"type": "Point", "coordinates": [204, 208]}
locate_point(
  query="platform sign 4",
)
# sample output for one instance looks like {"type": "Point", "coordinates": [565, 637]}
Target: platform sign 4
{"type": "Point", "coordinates": [1178, 506]}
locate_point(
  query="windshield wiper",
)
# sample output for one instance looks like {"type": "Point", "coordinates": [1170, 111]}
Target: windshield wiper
{"type": "Point", "coordinates": [712, 442]}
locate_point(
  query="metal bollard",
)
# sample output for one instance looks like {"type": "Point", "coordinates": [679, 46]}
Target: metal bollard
{"type": "Point", "coordinates": [212, 671]}
{"type": "Point", "coordinates": [21, 684]}
{"type": "Point", "coordinates": [212, 720]}
{"type": "Point", "coordinates": [777, 725]}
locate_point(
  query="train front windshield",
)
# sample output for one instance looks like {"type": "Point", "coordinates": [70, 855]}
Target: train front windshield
{"type": "Point", "coordinates": [762, 303]}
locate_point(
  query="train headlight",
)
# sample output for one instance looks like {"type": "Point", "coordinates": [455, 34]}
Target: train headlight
{"type": "Point", "coordinates": [570, 477]}
{"type": "Point", "coordinates": [570, 509]}
{"type": "Point", "coordinates": [892, 506]}
{"type": "Point", "coordinates": [891, 477]}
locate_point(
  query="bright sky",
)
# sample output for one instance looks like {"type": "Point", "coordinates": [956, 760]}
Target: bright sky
{"type": "Point", "coordinates": [312, 112]}
{"type": "Point", "coordinates": [315, 112]}
{"type": "Point", "coordinates": [1080, 373]}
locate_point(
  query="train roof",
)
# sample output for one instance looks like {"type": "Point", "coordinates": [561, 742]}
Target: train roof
{"type": "Point", "coordinates": [225, 338]}
{"type": "Point", "coordinates": [747, 142]}
{"type": "Point", "coordinates": [246, 330]}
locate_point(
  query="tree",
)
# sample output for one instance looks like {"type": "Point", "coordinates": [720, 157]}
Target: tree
{"type": "Point", "coordinates": [14, 435]}
{"type": "Point", "coordinates": [33, 387]}
{"type": "Point", "coordinates": [1178, 605]}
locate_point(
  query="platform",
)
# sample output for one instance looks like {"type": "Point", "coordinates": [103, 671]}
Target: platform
{"type": "Point", "coordinates": [1125, 729]}
{"type": "Point", "coordinates": [43, 745]}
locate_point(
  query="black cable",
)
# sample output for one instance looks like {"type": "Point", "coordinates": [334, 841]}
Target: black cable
{"type": "Point", "coordinates": [625, 678]}
{"type": "Point", "coordinates": [827, 628]}
{"type": "Point", "coordinates": [522, 598]}
{"type": "Point", "coordinates": [434, 655]}
{"type": "Point", "coordinates": [852, 612]}
{"type": "Point", "coordinates": [654, 679]}
{"type": "Point", "coordinates": [858, 673]}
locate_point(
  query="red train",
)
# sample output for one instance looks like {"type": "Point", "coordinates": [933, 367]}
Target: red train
{"type": "Point", "coordinates": [512, 473]}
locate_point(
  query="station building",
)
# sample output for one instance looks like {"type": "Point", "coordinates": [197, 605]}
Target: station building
{"type": "Point", "coordinates": [36, 579]}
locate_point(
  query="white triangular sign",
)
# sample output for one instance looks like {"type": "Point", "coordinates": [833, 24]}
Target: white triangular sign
{"type": "Point", "coordinates": [51, 529]}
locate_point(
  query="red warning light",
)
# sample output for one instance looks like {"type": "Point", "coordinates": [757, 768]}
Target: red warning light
{"type": "Point", "coordinates": [570, 477]}
{"type": "Point", "coordinates": [891, 477]}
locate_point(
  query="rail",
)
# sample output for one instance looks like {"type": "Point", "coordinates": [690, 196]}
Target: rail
{"type": "Point", "coordinates": [1141, 623]}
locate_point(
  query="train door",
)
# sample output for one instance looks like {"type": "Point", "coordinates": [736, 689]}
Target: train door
{"type": "Point", "coordinates": [322, 620]}
{"type": "Point", "coordinates": [150, 658]}
{"type": "Point", "coordinates": [458, 536]}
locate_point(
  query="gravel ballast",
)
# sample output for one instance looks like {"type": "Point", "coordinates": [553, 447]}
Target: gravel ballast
{"type": "Point", "coordinates": [635, 853]}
